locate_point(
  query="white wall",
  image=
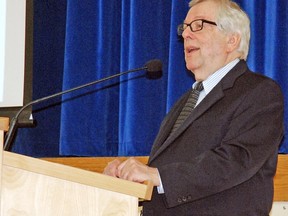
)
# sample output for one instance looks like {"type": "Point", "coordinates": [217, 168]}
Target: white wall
{"type": "Point", "coordinates": [12, 51]}
{"type": "Point", "coordinates": [279, 209]}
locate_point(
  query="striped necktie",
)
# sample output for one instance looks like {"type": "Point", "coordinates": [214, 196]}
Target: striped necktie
{"type": "Point", "coordinates": [189, 106]}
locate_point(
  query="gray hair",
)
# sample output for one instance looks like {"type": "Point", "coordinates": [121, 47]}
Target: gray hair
{"type": "Point", "coordinates": [232, 19]}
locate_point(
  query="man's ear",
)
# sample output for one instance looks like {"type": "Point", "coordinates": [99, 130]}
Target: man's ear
{"type": "Point", "coordinates": [233, 41]}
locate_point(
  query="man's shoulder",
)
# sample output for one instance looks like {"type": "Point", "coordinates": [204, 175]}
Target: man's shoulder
{"type": "Point", "coordinates": [254, 79]}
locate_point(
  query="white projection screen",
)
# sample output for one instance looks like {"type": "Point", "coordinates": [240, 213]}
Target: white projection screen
{"type": "Point", "coordinates": [12, 52]}
{"type": "Point", "coordinates": [16, 58]}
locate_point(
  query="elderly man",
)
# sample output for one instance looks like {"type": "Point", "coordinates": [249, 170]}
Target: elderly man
{"type": "Point", "coordinates": [216, 151]}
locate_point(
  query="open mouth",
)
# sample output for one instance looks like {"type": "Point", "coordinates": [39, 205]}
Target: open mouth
{"type": "Point", "coordinates": [191, 49]}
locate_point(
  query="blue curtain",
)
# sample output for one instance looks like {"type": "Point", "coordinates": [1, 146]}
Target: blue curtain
{"type": "Point", "coordinates": [77, 42]}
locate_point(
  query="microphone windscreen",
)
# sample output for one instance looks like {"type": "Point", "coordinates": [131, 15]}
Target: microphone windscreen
{"type": "Point", "coordinates": [154, 69]}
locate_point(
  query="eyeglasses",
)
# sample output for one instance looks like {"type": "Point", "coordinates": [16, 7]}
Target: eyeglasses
{"type": "Point", "coordinates": [195, 25]}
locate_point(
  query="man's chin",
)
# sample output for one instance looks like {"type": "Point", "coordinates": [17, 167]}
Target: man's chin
{"type": "Point", "coordinates": [191, 67]}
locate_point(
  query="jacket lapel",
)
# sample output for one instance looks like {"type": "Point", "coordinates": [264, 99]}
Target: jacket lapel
{"type": "Point", "coordinates": [168, 123]}
{"type": "Point", "coordinates": [163, 139]}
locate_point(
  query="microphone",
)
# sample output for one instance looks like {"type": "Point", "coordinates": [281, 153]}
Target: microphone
{"type": "Point", "coordinates": [153, 71]}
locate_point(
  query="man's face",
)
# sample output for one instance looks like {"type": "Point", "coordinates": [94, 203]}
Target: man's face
{"type": "Point", "coordinates": [205, 50]}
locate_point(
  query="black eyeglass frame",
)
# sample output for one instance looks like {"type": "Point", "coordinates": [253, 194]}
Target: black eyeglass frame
{"type": "Point", "coordinates": [180, 28]}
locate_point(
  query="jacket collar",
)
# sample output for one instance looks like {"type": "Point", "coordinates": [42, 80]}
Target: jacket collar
{"type": "Point", "coordinates": [163, 140]}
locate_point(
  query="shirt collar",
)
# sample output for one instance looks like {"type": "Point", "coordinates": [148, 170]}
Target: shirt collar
{"type": "Point", "coordinates": [216, 77]}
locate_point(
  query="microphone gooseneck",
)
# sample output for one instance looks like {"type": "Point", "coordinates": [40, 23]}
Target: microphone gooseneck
{"type": "Point", "coordinates": [153, 71]}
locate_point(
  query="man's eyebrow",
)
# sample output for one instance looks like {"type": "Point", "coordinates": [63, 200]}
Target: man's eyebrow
{"type": "Point", "coordinates": [195, 18]}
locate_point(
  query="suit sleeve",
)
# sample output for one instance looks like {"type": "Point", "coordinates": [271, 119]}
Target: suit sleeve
{"type": "Point", "coordinates": [253, 136]}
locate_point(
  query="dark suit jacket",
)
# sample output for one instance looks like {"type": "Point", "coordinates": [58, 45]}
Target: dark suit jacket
{"type": "Point", "coordinates": [222, 160]}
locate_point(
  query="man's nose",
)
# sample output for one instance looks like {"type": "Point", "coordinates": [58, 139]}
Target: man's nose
{"type": "Point", "coordinates": [187, 33]}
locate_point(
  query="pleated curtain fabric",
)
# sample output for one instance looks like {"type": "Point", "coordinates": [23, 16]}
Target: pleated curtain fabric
{"type": "Point", "coordinates": [75, 42]}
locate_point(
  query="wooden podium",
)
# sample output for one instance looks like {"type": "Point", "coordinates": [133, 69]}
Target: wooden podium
{"type": "Point", "coordinates": [34, 187]}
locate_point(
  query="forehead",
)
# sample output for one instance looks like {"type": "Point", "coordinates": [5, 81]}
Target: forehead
{"type": "Point", "coordinates": [203, 10]}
